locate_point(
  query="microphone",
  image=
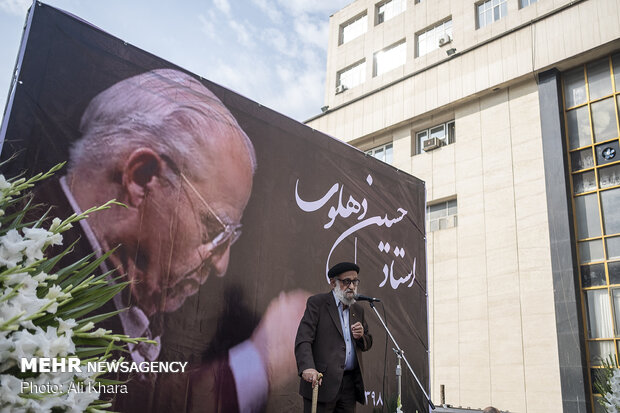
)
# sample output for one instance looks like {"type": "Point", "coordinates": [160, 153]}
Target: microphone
{"type": "Point", "coordinates": [359, 297]}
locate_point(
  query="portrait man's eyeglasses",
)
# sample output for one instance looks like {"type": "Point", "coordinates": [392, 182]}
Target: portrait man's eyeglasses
{"type": "Point", "coordinates": [229, 234]}
{"type": "Point", "coordinates": [348, 281]}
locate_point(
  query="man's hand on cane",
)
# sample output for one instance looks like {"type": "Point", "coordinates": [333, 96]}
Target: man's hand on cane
{"type": "Point", "coordinates": [312, 376]}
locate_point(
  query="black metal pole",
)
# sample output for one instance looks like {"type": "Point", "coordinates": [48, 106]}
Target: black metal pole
{"type": "Point", "coordinates": [372, 305]}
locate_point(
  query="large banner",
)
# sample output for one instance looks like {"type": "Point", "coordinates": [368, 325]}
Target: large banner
{"type": "Point", "coordinates": [234, 213]}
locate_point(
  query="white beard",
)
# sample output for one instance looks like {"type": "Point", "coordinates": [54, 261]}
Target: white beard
{"type": "Point", "coordinates": [340, 295]}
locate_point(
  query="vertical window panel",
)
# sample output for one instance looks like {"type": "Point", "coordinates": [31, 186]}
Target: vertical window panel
{"type": "Point", "coordinates": [574, 87]}
{"type": "Point", "coordinates": [446, 132]}
{"type": "Point", "coordinates": [616, 68]}
{"type": "Point", "coordinates": [389, 58]}
{"type": "Point", "coordinates": [442, 215]}
{"type": "Point", "coordinates": [438, 132]}
{"type": "Point", "coordinates": [452, 207]}
{"type": "Point", "coordinates": [421, 137]}
{"type": "Point", "coordinates": [591, 251]}
{"type": "Point", "coordinates": [437, 211]}
{"type": "Point", "coordinates": [588, 221]}
{"type": "Point", "coordinates": [599, 79]}
{"type": "Point", "coordinates": [578, 127]}
{"type": "Point", "coordinates": [353, 29]}
{"type": "Point", "coordinates": [490, 11]}
{"type": "Point", "coordinates": [613, 248]}
{"type": "Point", "coordinates": [610, 202]}
{"type": "Point", "coordinates": [390, 9]}
{"type": "Point", "coordinates": [584, 182]}
{"type": "Point", "coordinates": [428, 40]}
{"type": "Point", "coordinates": [615, 296]}
{"type": "Point", "coordinates": [379, 154]}
{"type": "Point", "coordinates": [600, 350]}
{"type": "Point", "coordinates": [582, 159]}
{"type": "Point", "coordinates": [599, 314]}
{"type": "Point", "coordinates": [389, 156]}
{"type": "Point", "coordinates": [613, 269]}
{"type": "Point", "coordinates": [609, 176]}
{"type": "Point", "coordinates": [383, 153]}
{"type": "Point", "coordinates": [593, 275]}
{"type": "Point", "coordinates": [352, 76]}
{"type": "Point", "coordinates": [604, 120]}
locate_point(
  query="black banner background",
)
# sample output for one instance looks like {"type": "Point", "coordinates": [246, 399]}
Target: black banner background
{"type": "Point", "coordinates": [67, 62]}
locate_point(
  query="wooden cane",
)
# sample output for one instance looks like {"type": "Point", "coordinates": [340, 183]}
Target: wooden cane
{"type": "Point", "coordinates": [315, 393]}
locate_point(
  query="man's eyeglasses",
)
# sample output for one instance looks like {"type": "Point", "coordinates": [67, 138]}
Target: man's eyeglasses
{"type": "Point", "coordinates": [348, 281]}
{"type": "Point", "coordinates": [229, 234]}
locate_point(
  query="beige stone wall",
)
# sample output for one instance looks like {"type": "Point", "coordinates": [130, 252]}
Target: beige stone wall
{"type": "Point", "coordinates": [491, 307]}
{"type": "Point", "coordinates": [511, 57]}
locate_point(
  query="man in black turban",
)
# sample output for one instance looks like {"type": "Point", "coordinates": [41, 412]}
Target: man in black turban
{"type": "Point", "coordinates": [330, 339]}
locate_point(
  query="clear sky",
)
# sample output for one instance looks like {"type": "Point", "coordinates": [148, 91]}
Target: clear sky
{"type": "Point", "coordinates": [271, 51]}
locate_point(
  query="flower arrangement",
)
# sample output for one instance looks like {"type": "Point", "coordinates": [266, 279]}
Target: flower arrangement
{"type": "Point", "coordinates": [45, 311]}
{"type": "Point", "coordinates": [607, 383]}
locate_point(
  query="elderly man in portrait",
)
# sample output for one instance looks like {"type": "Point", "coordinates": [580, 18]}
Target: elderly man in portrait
{"type": "Point", "coordinates": [166, 147]}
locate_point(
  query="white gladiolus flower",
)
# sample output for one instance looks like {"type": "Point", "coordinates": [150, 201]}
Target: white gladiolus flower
{"type": "Point", "coordinates": [3, 183]}
{"type": "Point", "coordinates": [16, 278]}
{"type": "Point", "coordinates": [613, 398]}
{"type": "Point", "coordinates": [41, 277]}
{"type": "Point", "coordinates": [11, 247]}
{"type": "Point", "coordinates": [27, 345]}
{"type": "Point", "coordinates": [27, 298]}
{"type": "Point", "coordinates": [55, 292]}
{"type": "Point", "coordinates": [52, 308]}
{"type": "Point", "coordinates": [100, 332]}
{"type": "Point", "coordinates": [42, 236]}
{"type": "Point", "coordinates": [66, 326]}
{"type": "Point", "coordinates": [88, 326]}
{"type": "Point", "coordinates": [79, 401]}
{"type": "Point", "coordinates": [59, 346]}
{"type": "Point", "coordinates": [10, 387]}
{"type": "Point", "coordinates": [36, 239]}
{"type": "Point", "coordinates": [55, 224]}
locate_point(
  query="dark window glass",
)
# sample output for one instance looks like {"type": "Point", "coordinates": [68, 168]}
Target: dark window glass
{"type": "Point", "coordinates": [593, 275]}
{"type": "Point", "coordinates": [614, 272]}
{"type": "Point", "coordinates": [582, 159]}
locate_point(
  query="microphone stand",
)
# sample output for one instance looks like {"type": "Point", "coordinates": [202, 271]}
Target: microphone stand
{"type": "Point", "coordinates": [400, 353]}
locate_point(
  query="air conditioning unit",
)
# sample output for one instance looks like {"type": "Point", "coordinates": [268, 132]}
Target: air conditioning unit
{"type": "Point", "coordinates": [445, 39]}
{"type": "Point", "coordinates": [432, 143]}
{"type": "Point", "coordinates": [447, 222]}
{"type": "Point", "coordinates": [340, 88]}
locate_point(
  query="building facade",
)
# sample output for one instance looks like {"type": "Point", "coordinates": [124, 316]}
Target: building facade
{"type": "Point", "coordinates": [508, 109]}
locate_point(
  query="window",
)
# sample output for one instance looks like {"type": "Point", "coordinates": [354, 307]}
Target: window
{"type": "Point", "coordinates": [428, 40]}
{"type": "Point", "coordinates": [383, 153]}
{"type": "Point", "coordinates": [441, 215]}
{"type": "Point", "coordinates": [352, 76]}
{"type": "Point", "coordinates": [389, 9]}
{"type": "Point", "coordinates": [525, 3]}
{"type": "Point", "coordinates": [591, 95]}
{"type": "Point", "coordinates": [445, 134]}
{"type": "Point", "coordinates": [490, 11]}
{"type": "Point", "coordinates": [353, 28]}
{"type": "Point", "coordinates": [390, 58]}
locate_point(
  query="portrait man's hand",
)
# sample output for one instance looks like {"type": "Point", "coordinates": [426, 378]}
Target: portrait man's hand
{"type": "Point", "coordinates": [275, 335]}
